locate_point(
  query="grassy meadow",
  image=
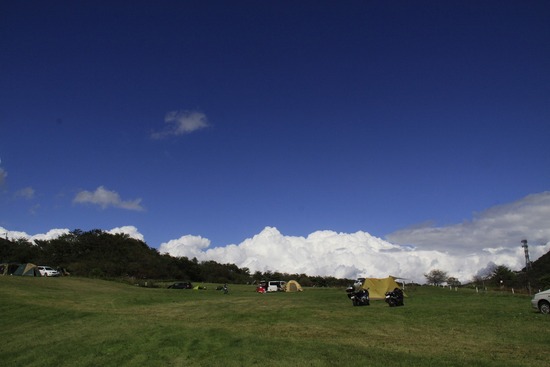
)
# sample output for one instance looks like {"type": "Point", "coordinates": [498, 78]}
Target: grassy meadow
{"type": "Point", "coordinates": [85, 322]}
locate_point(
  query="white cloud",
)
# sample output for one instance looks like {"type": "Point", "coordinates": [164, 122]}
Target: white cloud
{"type": "Point", "coordinates": [181, 122]}
{"type": "Point", "coordinates": [129, 230]}
{"type": "Point", "coordinates": [343, 255]}
{"type": "Point", "coordinates": [493, 237]}
{"type": "Point", "coordinates": [57, 232]}
{"type": "Point", "coordinates": [51, 234]}
{"type": "Point", "coordinates": [189, 246]}
{"type": "Point", "coordinates": [106, 198]}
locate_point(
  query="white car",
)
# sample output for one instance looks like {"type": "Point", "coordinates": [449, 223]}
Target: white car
{"type": "Point", "coordinates": [541, 301]}
{"type": "Point", "coordinates": [47, 271]}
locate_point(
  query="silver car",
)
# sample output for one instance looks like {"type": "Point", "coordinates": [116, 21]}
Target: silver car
{"type": "Point", "coordinates": [541, 301]}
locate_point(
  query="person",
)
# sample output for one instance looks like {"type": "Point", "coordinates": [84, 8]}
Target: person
{"type": "Point", "coordinates": [225, 289]}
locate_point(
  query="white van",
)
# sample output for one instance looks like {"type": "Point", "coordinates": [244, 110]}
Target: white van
{"type": "Point", "coordinates": [276, 285]}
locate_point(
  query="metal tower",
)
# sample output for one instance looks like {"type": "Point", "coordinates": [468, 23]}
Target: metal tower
{"type": "Point", "coordinates": [526, 249]}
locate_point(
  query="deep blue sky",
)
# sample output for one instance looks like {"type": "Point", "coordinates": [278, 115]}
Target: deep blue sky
{"type": "Point", "coordinates": [348, 115]}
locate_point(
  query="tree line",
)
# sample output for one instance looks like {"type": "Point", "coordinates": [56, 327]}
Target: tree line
{"type": "Point", "coordinates": [97, 253]}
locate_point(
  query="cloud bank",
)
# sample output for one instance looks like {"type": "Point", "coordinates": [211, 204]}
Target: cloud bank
{"type": "Point", "coordinates": [180, 123]}
{"type": "Point", "coordinates": [502, 227]}
{"type": "Point", "coordinates": [106, 198]}
{"type": "Point", "coordinates": [462, 250]}
{"type": "Point", "coordinates": [344, 255]}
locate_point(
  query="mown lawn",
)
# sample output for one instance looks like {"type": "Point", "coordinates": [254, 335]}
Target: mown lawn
{"type": "Point", "coordinates": [85, 322]}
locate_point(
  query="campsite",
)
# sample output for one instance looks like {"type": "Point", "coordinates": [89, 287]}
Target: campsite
{"type": "Point", "coordinates": [73, 321]}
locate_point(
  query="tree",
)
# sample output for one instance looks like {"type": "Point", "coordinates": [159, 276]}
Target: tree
{"type": "Point", "coordinates": [503, 276]}
{"type": "Point", "coordinates": [436, 277]}
{"type": "Point", "coordinates": [453, 282]}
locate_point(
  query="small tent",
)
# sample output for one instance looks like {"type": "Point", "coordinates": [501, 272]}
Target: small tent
{"type": "Point", "coordinates": [293, 286]}
{"type": "Point", "coordinates": [28, 269]}
{"type": "Point", "coordinates": [378, 287]}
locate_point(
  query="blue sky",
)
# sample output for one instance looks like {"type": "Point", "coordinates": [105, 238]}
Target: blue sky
{"type": "Point", "coordinates": [218, 119]}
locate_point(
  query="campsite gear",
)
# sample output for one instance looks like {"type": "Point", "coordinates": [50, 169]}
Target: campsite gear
{"type": "Point", "coordinates": [293, 286]}
{"type": "Point", "coordinates": [8, 268]}
{"type": "Point", "coordinates": [378, 287]}
{"type": "Point", "coordinates": [395, 298]}
{"type": "Point", "coordinates": [29, 269]}
{"type": "Point", "coordinates": [276, 285]}
{"type": "Point", "coordinates": [358, 298]}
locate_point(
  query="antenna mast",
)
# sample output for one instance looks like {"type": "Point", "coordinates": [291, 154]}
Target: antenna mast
{"type": "Point", "coordinates": [526, 249]}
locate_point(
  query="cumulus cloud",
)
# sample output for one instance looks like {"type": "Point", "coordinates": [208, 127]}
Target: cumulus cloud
{"type": "Point", "coordinates": [180, 123]}
{"type": "Point", "coordinates": [106, 198]}
{"type": "Point", "coordinates": [131, 231]}
{"type": "Point", "coordinates": [50, 235]}
{"type": "Point", "coordinates": [343, 255]}
{"type": "Point", "coordinates": [188, 245]}
{"type": "Point", "coordinates": [462, 250]}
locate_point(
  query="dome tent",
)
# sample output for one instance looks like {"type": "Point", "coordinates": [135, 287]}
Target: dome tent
{"type": "Point", "coordinates": [293, 286]}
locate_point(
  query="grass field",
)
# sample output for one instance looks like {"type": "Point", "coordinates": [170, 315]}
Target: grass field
{"type": "Point", "coordinates": [85, 322]}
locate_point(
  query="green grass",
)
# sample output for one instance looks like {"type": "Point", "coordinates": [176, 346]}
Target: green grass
{"type": "Point", "coordinates": [85, 322]}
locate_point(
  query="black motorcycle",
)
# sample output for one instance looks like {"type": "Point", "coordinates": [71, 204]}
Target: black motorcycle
{"type": "Point", "coordinates": [395, 298]}
{"type": "Point", "coordinates": [358, 298]}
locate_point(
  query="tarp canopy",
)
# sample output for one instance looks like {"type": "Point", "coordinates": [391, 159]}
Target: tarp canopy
{"type": "Point", "coordinates": [28, 269]}
{"type": "Point", "coordinates": [293, 286]}
{"type": "Point", "coordinates": [378, 287]}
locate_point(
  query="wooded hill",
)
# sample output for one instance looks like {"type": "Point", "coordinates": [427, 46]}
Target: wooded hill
{"type": "Point", "coordinates": [97, 253]}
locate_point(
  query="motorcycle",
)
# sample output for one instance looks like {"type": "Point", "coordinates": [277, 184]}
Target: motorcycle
{"type": "Point", "coordinates": [358, 298]}
{"type": "Point", "coordinates": [395, 298]}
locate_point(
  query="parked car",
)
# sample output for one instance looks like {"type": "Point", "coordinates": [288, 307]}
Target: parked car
{"type": "Point", "coordinates": [181, 285]}
{"type": "Point", "coordinates": [271, 286]}
{"type": "Point", "coordinates": [276, 286]}
{"type": "Point", "coordinates": [47, 271]}
{"type": "Point", "coordinates": [541, 301]}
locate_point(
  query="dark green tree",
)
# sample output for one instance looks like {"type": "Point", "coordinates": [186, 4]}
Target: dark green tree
{"type": "Point", "coordinates": [436, 277]}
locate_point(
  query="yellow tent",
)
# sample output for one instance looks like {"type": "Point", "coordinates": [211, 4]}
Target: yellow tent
{"type": "Point", "coordinates": [378, 287]}
{"type": "Point", "coordinates": [293, 286]}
